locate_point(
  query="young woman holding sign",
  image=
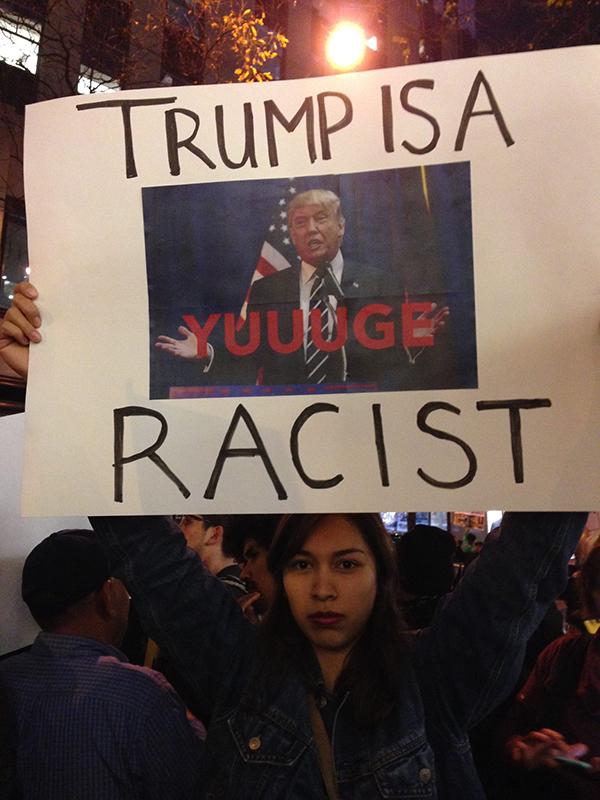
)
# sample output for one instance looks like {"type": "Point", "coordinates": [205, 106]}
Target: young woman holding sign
{"type": "Point", "coordinates": [329, 697]}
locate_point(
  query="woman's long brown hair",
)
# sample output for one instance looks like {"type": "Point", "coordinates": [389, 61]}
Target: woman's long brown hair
{"type": "Point", "coordinates": [374, 665]}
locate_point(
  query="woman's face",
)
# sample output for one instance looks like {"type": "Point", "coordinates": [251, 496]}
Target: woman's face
{"type": "Point", "coordinates": [331, 585]}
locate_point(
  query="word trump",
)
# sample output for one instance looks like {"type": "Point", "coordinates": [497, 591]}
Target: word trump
{"type": "Point", "coordinates": [208, 139]}
{"type": "Point", "coordinates": [416, 331]}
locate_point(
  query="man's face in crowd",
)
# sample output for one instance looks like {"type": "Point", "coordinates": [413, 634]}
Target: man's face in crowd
{"type": "Point", "coordinates": [316, 232]}
{"type": "Point", "coordinates": [256, 573]}
{"type": "Point", "coordinates": [196, 532]}
{"type": "Point", "coordinates": [120, 602]}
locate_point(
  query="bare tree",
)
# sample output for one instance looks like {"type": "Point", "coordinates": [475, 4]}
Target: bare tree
{"type": "Point", "coordinates": [56, 48]}
{"type": "Point", "coordinates": [94, 45]}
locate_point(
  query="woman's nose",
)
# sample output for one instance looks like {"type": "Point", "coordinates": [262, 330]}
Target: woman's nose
{"type": "Point", "coordinates": [323, 587]}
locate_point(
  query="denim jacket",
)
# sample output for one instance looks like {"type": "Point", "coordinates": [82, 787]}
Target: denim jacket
{"type": "Point", "coordinates": [261, 746]}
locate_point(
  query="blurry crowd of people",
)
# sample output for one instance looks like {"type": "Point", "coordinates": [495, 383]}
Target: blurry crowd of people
{"type": "Point", "coordinates": [82, 721]}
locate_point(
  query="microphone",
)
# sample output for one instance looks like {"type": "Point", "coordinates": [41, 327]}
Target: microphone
{"type": "Point", "coordinates": [331, 283]}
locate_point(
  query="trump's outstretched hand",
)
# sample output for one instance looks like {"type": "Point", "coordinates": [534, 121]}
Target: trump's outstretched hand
{"type": "Point", "coordinates": [181, 348]}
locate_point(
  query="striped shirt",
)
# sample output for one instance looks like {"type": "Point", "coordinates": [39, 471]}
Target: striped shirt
{"type": "Point", "coordinates": [91, 726]}
{"type": "Point", "coordinates": [230, 576]}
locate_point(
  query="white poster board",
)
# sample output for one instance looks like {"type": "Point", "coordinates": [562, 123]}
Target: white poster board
{"type": "Point", "coordinates": [469, 184]}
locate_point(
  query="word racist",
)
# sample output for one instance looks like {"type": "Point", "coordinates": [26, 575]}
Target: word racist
{"type": "Point", "coordinates": [242, 416]}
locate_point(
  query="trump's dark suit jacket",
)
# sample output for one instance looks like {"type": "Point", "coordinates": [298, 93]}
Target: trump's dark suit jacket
{"type": "Point", "coordinates": [362, 287]}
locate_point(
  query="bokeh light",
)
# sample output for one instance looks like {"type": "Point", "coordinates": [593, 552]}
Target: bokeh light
{"type": "Point", "coordinates": [345, 46]}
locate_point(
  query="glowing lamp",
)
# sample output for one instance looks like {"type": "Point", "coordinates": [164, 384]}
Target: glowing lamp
{"type": "Point", "coordinates": [345, 46]}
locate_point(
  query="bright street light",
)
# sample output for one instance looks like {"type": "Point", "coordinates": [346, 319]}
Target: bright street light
{"type": "Point", "coordinates": [346, 45]}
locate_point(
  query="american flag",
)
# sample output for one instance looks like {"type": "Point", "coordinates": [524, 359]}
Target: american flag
{"type": "Point", "coordinates": [277, 251]}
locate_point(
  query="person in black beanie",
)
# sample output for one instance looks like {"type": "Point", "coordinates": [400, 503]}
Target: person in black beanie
{"type": "Point", "coordinates": [86, 722]}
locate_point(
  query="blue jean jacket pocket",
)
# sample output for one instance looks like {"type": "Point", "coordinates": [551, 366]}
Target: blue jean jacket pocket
{"type": "Point", "coordinates": [260, 740]}
{"type": "Point", "coordinates": [402, 771]}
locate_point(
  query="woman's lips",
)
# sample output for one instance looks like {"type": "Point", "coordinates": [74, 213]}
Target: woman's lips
{"type": "Point", "coordinates": [325, 618]}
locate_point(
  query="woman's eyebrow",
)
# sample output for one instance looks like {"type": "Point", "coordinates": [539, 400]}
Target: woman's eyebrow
{"type": "Point", "coordinates": [335, 554]}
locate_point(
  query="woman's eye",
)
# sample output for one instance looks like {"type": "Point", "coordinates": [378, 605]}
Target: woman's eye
{"type": "Point", "coordinates": [348, 564]}
{"type": "Point", "coordinates": [299, 565]}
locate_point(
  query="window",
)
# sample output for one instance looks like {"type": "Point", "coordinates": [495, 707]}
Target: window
{"type": "Point", "coordinates": [14, 249]}
{"type": "Point", "coordinates": [395, 521]}
{"type": "Point", "coordinates": [468, 522]}
{"type": "Point", "coordinates": [402, 521]}
{"type": "Point", "coordinates": [494, 518]}
{"type": "Point", "coordinates": [439, 518]}
{"type": "Point", "coordinates": [92, 81]}
{"type": "Point", "coordinates": [19, 41]}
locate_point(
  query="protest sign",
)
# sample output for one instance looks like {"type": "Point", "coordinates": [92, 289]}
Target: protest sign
{"type": "Point", "coordinates": [347, 293]}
